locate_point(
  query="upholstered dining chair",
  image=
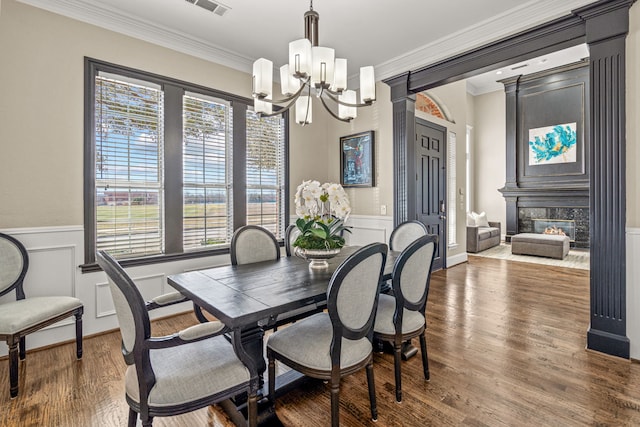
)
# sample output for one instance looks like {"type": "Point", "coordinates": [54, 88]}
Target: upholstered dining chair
{"type": "Point", "coordinates": [290, 235]}
{"type": "Point", "coordinates": [405, 233]}
{"type": "Point", "coordinates": [401, 317]}
{"type": "Point", "coordinates": [26, 315]}
{"type": "Point", "coordinates": [336, 343]}
{"type": "Point", "coordinates": [252, 243]}
{"type": "Point", "coordinates": [178, 373]}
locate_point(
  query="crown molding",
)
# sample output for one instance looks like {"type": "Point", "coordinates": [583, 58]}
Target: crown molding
{"type": "Point", "coordinates": [111, 19]}
{"type": "Point", "coordinates": [500, 26]}
{"type": "Point", "coordinates": [513, 21]}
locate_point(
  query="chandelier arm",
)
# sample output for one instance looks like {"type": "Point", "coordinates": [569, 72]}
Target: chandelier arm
{"type": "Point", "coordinates": [334, 98]}
{"type": "Point", "coordinates": [335, 116]}
{"type": "Point", "coordinates": [289, 98]}
{"type": "Point", "coordinates": [282, 110]}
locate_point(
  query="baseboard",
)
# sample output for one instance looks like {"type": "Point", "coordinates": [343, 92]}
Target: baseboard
{"type": "Point", "coordinates": [606, 342]}
{"type": "Point", "coordinates": [457, 259]}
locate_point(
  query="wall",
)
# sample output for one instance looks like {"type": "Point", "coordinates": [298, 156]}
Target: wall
{"type": "Point", "coordinates": [41, 151]}
{"type": "Point", "coordinates": [489, 135]}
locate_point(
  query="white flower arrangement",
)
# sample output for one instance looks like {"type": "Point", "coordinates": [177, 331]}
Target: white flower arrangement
{"type": "Point", "coordinates": [315, 201]}
{"type": "Point", "coordinates": [322, 210]}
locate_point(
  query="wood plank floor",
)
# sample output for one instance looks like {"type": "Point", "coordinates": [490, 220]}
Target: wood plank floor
{"type": "Point", "coordinates": [506, 348]}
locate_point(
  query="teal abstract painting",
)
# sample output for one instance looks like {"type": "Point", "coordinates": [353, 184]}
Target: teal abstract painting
{"type": "Point", "coordinates": [552, 144]}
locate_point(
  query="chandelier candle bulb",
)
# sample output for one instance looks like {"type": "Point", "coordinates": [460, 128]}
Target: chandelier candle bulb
{"type": "Point", "coordinates": [323, 66]}
{"type": "Point", "coordinates": [300, 58]}
{"type": "Point", "coordinates": [262, 107]}
{"type": "Point", "coordinates": [288, 84]}
{"type": "Point", "coordinates": [303, 110]}
{"type": "Point", "coordinates": [340, 75]}
{"type": "Point", "coordinates": [262, 78]}
{"type": "Point", "coordinates": [346, 112]}
{"type": "Point", "coordinates": [367, 84]}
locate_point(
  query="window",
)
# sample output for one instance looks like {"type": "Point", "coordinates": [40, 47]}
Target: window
{"type": "Point", "coordinates": [452, 191]}
{"type": "Point", "coordinates": [265, 172]}
{"type": "Point", "coordinates": [172, 169]}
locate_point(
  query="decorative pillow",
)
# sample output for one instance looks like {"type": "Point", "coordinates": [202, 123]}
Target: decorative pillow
{"type": "Point", "coordinates": [481, 220]}
{"type": "Point", "coordinates": [471, 219]}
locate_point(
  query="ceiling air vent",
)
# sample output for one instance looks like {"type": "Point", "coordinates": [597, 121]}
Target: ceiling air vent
{"type": "Point", "coordinates": [211, 6]}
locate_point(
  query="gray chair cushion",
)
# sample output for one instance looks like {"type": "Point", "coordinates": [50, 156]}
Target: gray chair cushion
{"type": "Point", "coordinates": [411, 320]}
{"type": "Point", "coordinates": [189, 372]}
{"type": "Point", "coordinates": [19, 315]}
{"type": "Point", "coordinates": [11, 263]}
{"type": "Point", "coordinates": [308, 343]}
{"type": "Point", "coordinates": [255, 245]}
{"type": "Point", "coordinates": [406, 234]}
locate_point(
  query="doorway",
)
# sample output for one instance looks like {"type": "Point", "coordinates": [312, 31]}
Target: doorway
{"type": "Point", "coordinates": [431, 180]}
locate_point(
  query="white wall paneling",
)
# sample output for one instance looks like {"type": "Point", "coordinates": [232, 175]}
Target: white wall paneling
{"type": "Point", "coordinates": [55, 254]}
{"type": "Point", "coordinates": [633, 291]}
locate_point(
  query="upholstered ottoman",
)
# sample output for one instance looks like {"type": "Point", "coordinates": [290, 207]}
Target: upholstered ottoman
{"type": "Point", "coordinates": [547, 245]}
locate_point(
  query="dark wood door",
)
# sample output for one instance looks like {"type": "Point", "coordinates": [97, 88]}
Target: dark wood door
{"type": "Point", "coordinates": [431, 182]}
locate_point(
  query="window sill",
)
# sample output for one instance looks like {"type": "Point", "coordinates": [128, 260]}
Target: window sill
{"type": "Point", "coordinates": [157, 259]}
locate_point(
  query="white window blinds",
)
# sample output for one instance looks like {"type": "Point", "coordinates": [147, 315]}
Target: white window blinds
{"type": "Point", "coordinates": [207, 130]}
{"type": "Point", "coordinates": [129, 140]}
{"type": "Point", "coordinates": [266, 172]}
{"type": "Point", "coordinates": [452, 191]}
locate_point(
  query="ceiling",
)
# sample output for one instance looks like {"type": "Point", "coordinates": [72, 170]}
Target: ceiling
{"type": "Point", "coordinates": [393, 36]}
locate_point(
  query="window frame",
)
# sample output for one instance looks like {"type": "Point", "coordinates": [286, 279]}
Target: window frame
{"type": "Point", "coordinates": [172, 166]}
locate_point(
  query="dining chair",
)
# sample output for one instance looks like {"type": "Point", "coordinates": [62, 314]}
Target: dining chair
{"type": "Point", "coordinates": [401, 316]}
{"type": "Point", "coordinates": [26, 315]}
{"type": "Point", "coordinates": [290, 235]}
{"type": "Point", "coordinates": [174, 374]}
{"type": "Point", "coordinates": [252, 243]}
{"type": "Point", "coordinates": [405, 233]}
{"type": "Point", "coordinates": [336, 343]}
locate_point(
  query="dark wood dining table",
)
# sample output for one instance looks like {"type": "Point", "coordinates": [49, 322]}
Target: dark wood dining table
{"type": "Point", "coordinates": [244, 297]}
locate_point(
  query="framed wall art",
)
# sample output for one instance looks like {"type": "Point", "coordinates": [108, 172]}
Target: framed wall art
{"type": "Point", "coordinates": [356, 160]}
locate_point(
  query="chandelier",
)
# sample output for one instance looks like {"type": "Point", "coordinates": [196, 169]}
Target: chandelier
{"type": "Point", "coordinates": [311, 67]}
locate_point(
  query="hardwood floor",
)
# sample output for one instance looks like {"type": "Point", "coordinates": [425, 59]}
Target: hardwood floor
{"type": "Point", "coordinates": [506, 348]}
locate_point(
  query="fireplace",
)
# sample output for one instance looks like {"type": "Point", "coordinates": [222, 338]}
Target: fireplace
{"type": "Point", "coordinates": [574, 222]}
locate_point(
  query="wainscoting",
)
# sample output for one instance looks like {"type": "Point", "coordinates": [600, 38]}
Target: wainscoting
{"type": "Point", "coordinates": [633, 291]}
{"type": "Point", "coordinates": [56, 253]}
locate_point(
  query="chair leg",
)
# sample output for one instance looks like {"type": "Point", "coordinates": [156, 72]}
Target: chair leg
{"type": "Point", "coordinates": [425, 359]}
{"type": "Point", "coordinates": [133, 418]}
{"type": "Point", "coordinates": [13, 366]}
{"type": "Point", "coordinates": [23, 348]}
{"type": "Point", "coordinates": [372, 391]}
{"type": "Point", "coordinates": [272, 377]}
{"type": "Point", "coordinates": [397, 360]}
{"type": "Point", "coordinates": [335, 403]}
{"type": "Point", "coordinates": [78, 315]}
{"type": "Point", "coordinates": [148, 422]}
{"type": "Point", "coordinates": [252, 410]}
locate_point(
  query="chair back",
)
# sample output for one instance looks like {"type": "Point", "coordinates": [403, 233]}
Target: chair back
{"type": "Point", "coordinates": [406, 233]}
{"type": "Point", "coordinates": [352, 296]}
{"type": "Point", "coordinates": [290, 236]}
{"type": "Point", "coordinates": [131, 311]}
{"type": "Point", "coordinates": [14, 263]}
{"type": "Point", "coordinates": [412, 273]}
{"type": "Point", "coordinates": [252, 243]}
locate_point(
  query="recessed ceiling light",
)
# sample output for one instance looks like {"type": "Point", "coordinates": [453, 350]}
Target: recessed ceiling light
{"type": "Point", "coordinates": [499, 72]}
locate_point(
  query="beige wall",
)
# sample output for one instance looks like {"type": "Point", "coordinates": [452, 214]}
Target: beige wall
{"type": "Point", "coordinates": [377, 117]}
{"type": "Point", "coordinates": [41, 110]}
{"type": "Point", "coordinates": [489, 156]}
{"type": "Point", "coordinates": [41, 159]}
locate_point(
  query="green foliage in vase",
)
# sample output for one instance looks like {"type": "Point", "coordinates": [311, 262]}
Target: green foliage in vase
{"type": "Point", "coordinates": [320, 234]}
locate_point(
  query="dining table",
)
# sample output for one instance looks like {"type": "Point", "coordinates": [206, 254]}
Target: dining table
{"type": "Point", "coordinates": [246, 297]}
